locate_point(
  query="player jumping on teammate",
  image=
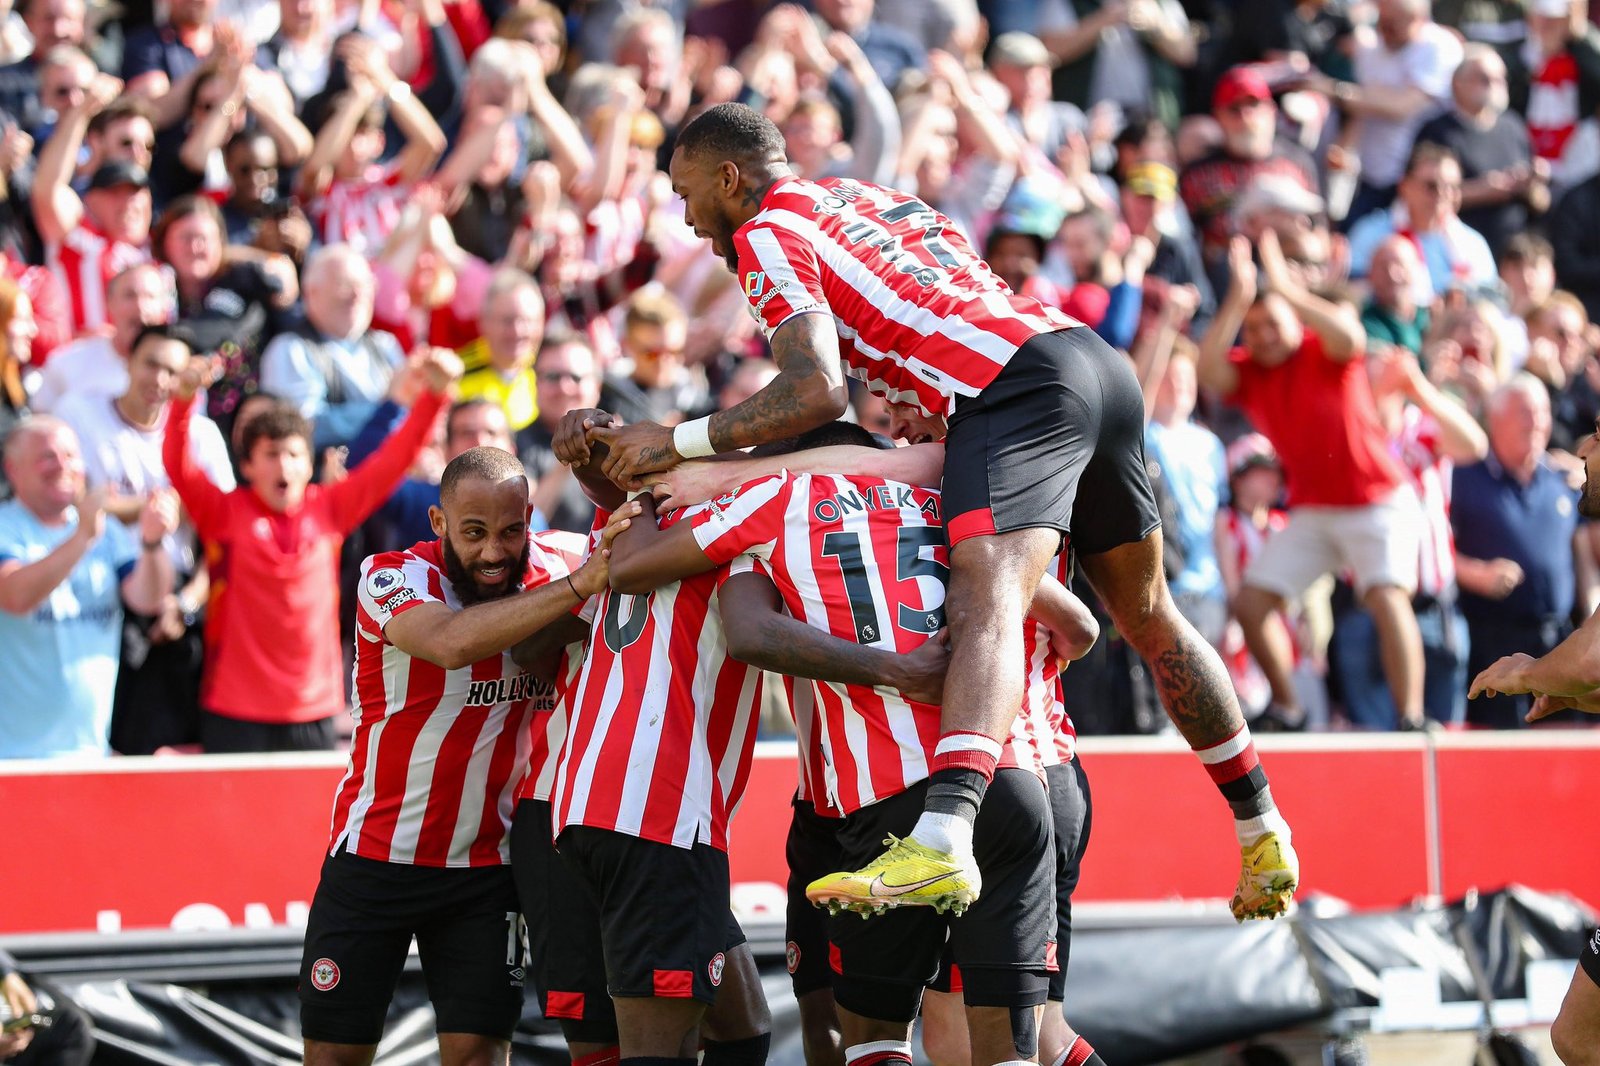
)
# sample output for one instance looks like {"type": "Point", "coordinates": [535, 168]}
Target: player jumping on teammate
{"type": "Point", "coordinates": [1038, 409]}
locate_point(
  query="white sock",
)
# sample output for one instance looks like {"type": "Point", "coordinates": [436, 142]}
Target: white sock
{"type": "Point", "coordinates": [1250, 830]}
{"type": "Point", "coordinates": [944, 832]}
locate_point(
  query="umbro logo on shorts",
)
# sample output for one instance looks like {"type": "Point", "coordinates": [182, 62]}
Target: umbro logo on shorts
{"type": "Point", "coordinates": [718, 961]}
{"type": "Point", "coordinates": [324, 975]}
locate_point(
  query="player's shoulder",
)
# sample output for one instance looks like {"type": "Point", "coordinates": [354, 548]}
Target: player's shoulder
{"type": "Point", "coordinates": [418, 558]}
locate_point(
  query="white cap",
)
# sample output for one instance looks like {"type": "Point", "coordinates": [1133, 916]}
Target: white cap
{"type": "Point", "coordinates": [1551, 9]}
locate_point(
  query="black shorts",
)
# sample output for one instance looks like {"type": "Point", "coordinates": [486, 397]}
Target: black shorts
{"type": "Point", "coordinates": [1589, 957]}
{"type": "Point", "coordinates": [812, 851]}
{"type": "Point", "coordinates": [1064, 419]}
{"type": "Point", "coordinates": [1071, 811]}
{"type": "Point", "coordinates": [1004, 942]}
{"type": "Point", "coordinates": [566, 960]}
{"type": "Point", "coordinates": [469, 936]}
{"type": "Point", "coordinates": [665, 922]}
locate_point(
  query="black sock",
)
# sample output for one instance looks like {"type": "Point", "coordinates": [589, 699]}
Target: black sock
{"type": "Point", "coordinates": [956, 790]}
{"type": "Point", "coordinates": [751, 1051]}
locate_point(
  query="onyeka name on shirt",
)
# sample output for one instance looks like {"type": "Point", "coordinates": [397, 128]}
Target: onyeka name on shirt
{"type": "Point", "coordinates": [878, 498]}
{"type": "Point", "coordinates": [510, 690]}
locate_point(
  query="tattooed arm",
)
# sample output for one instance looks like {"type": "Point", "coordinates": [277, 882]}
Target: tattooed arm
{"type": "Point", "coordinates": [759, 633]}
{"type": "Point", "coordinates": [808, 391]}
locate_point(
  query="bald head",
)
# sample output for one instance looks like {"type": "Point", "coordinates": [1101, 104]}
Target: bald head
{"type": "Point", "coordinates": [491, 465]}
{"type": "Point", "coordinates": [1394, 271]}
{"type": "Point", "coordinates": [1479, 83]}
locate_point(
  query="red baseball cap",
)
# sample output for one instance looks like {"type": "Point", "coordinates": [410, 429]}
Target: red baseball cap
{"type": "Point", "coordinates": [1239, 83]}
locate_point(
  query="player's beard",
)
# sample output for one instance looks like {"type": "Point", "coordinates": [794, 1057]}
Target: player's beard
{"type": "Point", "coordinates": [468, 591]}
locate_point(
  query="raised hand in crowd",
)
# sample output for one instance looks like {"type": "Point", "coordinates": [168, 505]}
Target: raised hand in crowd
{"type": "Point", "coordinates": [92, 514]}
{"type": "Point", "coordinates": [159, 516]}
{"type": "Point", "coordinates": [440, 368]}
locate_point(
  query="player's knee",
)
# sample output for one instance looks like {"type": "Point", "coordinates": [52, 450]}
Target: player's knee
{"type": "Point", "coordinates": [473, 1049]}
{"type": "Point", "coordinates": [1574, 1040]}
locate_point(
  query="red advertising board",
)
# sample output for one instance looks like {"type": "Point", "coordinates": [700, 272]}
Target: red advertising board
{"type": "Point", "coordinates": [236, 841]}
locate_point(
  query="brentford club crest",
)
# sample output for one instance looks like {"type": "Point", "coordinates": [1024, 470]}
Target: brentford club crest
{"type": "Point", "coordinates": [791, 956]}
{"type": "Point", "coordinates": [715, 969]}
{"type": "Point", "coordinates": [324, 975]}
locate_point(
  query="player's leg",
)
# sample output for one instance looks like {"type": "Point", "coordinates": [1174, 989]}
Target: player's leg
{"type": "Point", "coordinates": [1198, 697]}
{"type": "Point", "coordinates": [944, 1026]}
{"type": "Point", "coordinates": [472, 953]}
{"type": "Point", "coordinates": [357, 936]}
{"type": "Point", "coordinates": [812, 849]}
{"type": "Point", "coordinates": [664, 929]}
{"type": "Point", "coordinates": [1013, 459]}
{"type": "Point", "coordinates": [881, 967]}
{"type": "Point", "coordinates": [1006, 942]}
{"type": "Point", "coordinates": [1072, 816]}
{"type": "Point", "coordinates": [737, 1030]}
{"type": "Point", "coordinates": [821, 1036]}
{"type": "Point", "coordinates": [1118, 541]}
{"type": "Point", "coordinates": [565, 955]}
{"type": "Point", "coordinates": [1576, 1031]}
{"type": "Point", "coordinates": [992, 582]}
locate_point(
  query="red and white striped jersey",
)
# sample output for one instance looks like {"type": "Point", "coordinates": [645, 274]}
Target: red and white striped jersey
{"type": "Point", "coordinates": [84, 262]}
{"type": "Point", "coordinates": [663, 721]}
{"type": "Point", "coordinates": [547, 732]}
{"type": "Point", "coordinates": [921, 317]}
{"type": "Point", "coordinates": [1419, 451]}
{"type": "Point", "coordinates": [865, 560]}
{"type": "Point", "coordinates": [438, 754]}
{"type": "Point", "coordinates": [361, 213]}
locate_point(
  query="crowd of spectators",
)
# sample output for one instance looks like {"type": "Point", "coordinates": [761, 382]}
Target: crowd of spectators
{"type": "Point", "coordinates": [249, 247]}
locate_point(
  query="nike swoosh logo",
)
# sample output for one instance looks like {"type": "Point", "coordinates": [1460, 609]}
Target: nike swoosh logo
{"type": "Point", "coordinates": [879, 889]}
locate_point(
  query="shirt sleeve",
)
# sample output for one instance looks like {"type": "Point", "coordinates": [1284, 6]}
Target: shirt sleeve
{"type": "Point", "coordinates": [780, 275]}
{"type": "Point", "coordinates": [1440, 61]}
{"type": "Point", "coordinates": [392, 584]}
{"type": "Point", "coordinates": [205, 501]}
{"type": "Point", "coordinates": [748, 519]}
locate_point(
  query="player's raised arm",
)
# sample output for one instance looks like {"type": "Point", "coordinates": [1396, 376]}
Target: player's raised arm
{"type": "Point", "coordinates": [761, 634]}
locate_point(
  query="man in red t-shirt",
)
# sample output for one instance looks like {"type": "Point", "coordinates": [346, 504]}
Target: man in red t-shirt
{"type": "Point", "coordinates": [273, 679]}
{"type": "Point", "coordinates": [1300, 378]}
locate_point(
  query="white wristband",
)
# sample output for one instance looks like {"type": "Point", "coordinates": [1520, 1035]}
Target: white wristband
{"type": "Point", "coordinates": [692, 440]}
